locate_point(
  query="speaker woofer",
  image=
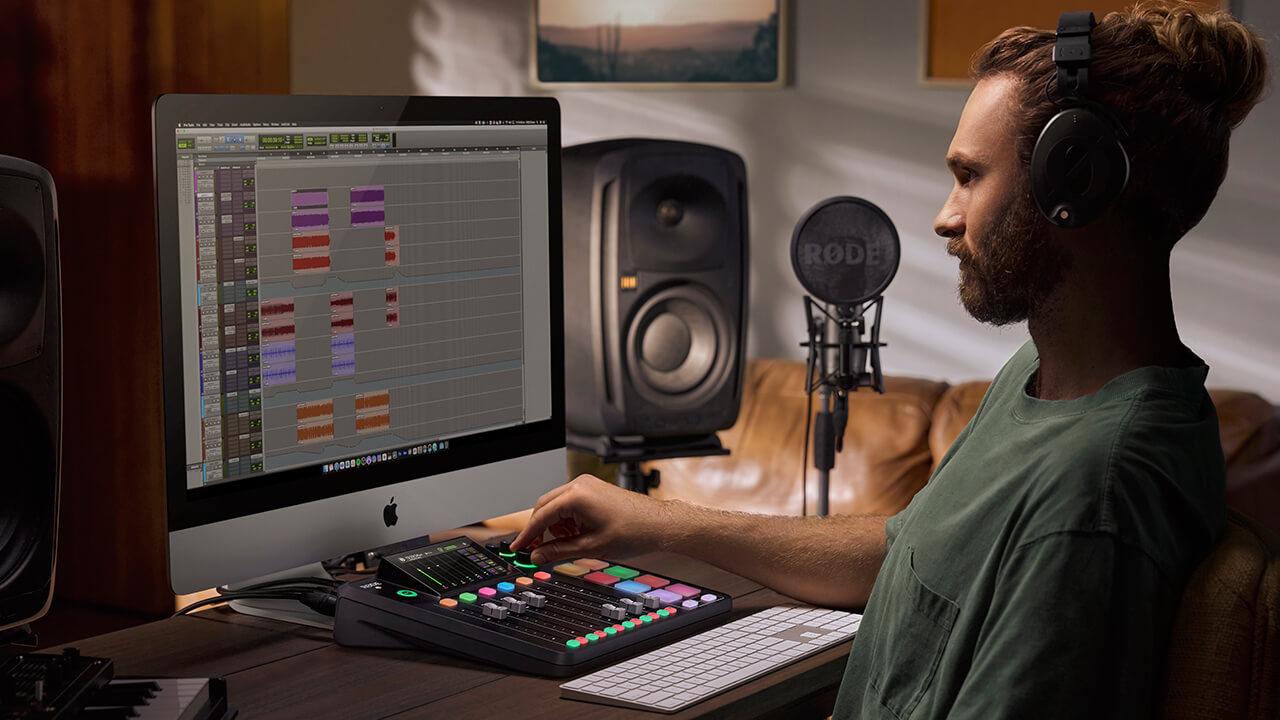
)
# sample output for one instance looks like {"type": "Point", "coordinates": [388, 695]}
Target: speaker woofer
{"type": "Point", "coordinates": [679, 346]}
{"type": "Point", "coordinates": [21, 274]}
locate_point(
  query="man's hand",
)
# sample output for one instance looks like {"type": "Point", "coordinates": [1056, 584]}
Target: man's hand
{"type": "Point", "coordinates": [591, 518]}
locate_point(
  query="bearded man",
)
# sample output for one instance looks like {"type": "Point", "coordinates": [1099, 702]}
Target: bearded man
{"type": "Point", "coordinates": [1038, 572]}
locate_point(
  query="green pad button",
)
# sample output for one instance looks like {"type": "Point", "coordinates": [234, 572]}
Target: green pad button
{"type": "Point", "coordinates": [621, 572]}
{"type": "Point", "coordinates": [629, 625]}
{"type": "Point", "coordinates": [611, 630]}
{"type": "Point", "coordinates": [468, 597]}
{"type": "Point", "coordinates": [645, 619]}
{"type": "Point", "coordinates": [574, 644]}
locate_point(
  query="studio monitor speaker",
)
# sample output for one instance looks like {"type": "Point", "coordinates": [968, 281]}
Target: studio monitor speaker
{"type": "Point", "coordinates": [655, 258]}
{"type": "Point", "coordinates": [30, 389]}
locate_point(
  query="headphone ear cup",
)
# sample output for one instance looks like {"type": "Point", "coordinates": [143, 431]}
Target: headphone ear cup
{"type": "Point", "coordinates": [1078, 167]}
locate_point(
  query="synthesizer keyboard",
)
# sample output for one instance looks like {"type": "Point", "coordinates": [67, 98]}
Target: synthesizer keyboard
{"type": "Point", "coordinates": [494, 605]}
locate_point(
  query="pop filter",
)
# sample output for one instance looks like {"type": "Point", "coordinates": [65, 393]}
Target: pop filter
{"type": "Point", "coordinates": [845, 251]}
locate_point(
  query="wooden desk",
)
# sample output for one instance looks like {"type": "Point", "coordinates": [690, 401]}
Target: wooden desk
{"type": "Point", "coordinates": [279, 670]}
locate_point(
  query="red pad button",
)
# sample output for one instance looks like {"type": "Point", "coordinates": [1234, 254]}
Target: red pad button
{"type": "Point", "coordinates": [619, 628]}
{"type": "Point", "coordinates": [670, 611]}
{"type": "Point", "coordinates": [653, 581]}
{"type": "Point", "coordinates": [543, 576]}
{"type": "Point", "coordinates": [600, 578]}
{"type": "Point", "coordinates": [581, 640]}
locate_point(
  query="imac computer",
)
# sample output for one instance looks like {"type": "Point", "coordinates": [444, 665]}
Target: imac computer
{"type": "Point", "coordinates": [362, 322]}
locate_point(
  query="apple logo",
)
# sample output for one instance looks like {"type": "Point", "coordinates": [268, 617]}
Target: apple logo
{"type": "Point", "coordinates": [389, 513]}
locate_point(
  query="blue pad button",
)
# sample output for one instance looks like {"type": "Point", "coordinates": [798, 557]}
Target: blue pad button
{"type": "Point", "coordinates": [631, 586]}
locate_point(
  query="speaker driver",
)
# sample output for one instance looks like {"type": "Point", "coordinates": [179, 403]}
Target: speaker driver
{"type": "Point", "coordinates": [680, 345]}
{"type": "Point", "coordinates": [30, 498]}
{"type": "Point", "coordinates": [21, 274]}
{"type": "Point", "coordinates": [678, 221]}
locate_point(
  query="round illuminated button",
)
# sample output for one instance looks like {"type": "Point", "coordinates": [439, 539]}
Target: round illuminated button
{"type": "Point", "coordinates": [670, 610]}
{"type": "Point", "coordinates": [619, 628]}
{"type": "Point", "coordinates": [708, 598]}
{"type": "Point", "coordinates": [573, 644]}
{"type": "Point", "coordinates": [654, 616]}
{"type": "Point", "coordinates": [592, 637]}
{"type": "Point", "coordinates": [406, 593]}
{"type": "Point", "coordinates": [629, 625]}
{"type": "Point", "coordinates": [645, 619]}
{"type": "Point", "coordinates": [664, 613]}
{"type": "Point", "coordinates": [611, 630]}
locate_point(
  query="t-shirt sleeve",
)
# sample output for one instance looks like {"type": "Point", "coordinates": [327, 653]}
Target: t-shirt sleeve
{"type": "Point", "coordinates": [1071, 631]}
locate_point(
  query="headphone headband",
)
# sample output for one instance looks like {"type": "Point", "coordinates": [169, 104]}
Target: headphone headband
{"type": "Point", "coordinates": [1072, 53]}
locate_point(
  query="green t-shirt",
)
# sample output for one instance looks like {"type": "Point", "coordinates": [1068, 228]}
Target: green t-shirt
{"type": "Point", "coordinates": [1037, 574]}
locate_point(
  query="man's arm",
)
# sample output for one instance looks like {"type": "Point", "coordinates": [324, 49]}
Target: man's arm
{"type": "Point", "coordinates": [829, 561]}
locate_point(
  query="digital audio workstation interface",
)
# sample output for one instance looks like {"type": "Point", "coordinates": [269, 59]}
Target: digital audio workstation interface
{"type": "Point", "coordinates": [359, 293]}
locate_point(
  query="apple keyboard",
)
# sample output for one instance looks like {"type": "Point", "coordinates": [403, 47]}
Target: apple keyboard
{"type": "Point", "coordinates": [673, 677]}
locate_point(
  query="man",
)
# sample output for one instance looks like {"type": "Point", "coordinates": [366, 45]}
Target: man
{"type": "Point", "coordinates": [1038, 572]}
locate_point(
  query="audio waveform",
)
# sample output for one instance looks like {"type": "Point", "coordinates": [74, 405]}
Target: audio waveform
{"type": "Point", "coordinates": [365, 218]}
{"type": "Point", "coordinates": [341, 299]}
{"type": "Point", "coordinates": [369, 423]}
{"type": "Point", "coordinates": [309, 198]}
{"type": "Point", "coordinates": [277, 308]}
{"type": "Point", "coordinates": [367, 194]}
{"type": "Point", "coordinates": [373, 400]}
{"type": "Point", "coordinates": [278, 332]}
{"type": "Point", "coordinates": [344, 343]}
{"type": "Point", "coordinates": [315, 219]}
{"type": "Point", "coordinates": [315, 433]}
{"type": "Point", "coordinates": [315, 409]}
{"type": "Point", "coordinates": [343, 365]}
{"type": "Point", "coordinates": [311, 264]}
{"type": "Point", "coordinates": [391, 241]}
{"type": "Point", "coordinates": [393, 318]}
{"type": "Point", "coordinates": [282, 351]}
{"type": "Point", "coordinates": [341, 323]}
{"type": "Point", "coordinates": [306, 242]}
{"type": "Point", "coordinates": [280, 374]}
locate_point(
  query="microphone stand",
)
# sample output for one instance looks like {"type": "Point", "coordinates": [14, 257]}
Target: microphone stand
{"type": "Point", "coordinates": [833, 386]}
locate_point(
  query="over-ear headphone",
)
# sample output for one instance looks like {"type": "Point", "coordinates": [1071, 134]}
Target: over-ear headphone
{"type": "Point", "coordinates": [1079, 165]}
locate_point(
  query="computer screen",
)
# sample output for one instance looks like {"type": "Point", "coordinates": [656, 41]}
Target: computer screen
{"type": "Point", "coordinates": [362, 321]}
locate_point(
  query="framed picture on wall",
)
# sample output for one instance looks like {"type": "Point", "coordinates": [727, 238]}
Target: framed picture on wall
{"type": "Point", "coordinates": [953, 30]}
{"type": "Point", "coordinates": [659, 43]}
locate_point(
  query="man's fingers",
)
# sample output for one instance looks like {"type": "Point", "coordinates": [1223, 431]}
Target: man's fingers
{"type": "Point", "coordinates": [559, 548]}
{"type": "Point", "coordinates": [542, 518]}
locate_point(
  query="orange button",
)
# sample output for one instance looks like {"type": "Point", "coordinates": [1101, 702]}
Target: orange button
{"type": "Point", "coordinates": [591, 563]}
{"type": "Point", "coordinates": [448, 602]}
{"type": "Point", "coordinates": [522, 580]}
{"type": "Point", "coordinates": [571, 570]}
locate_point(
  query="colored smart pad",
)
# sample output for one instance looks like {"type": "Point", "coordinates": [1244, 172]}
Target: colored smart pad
{"type": "Point", "coordinates": [622, 572]}
{"type": "Point", "coordinates": [682, 590]}
{"type": "Point", "coordinates": [570, 569]}
{"type": "Point", "coordinates": [632, 586]}
{"type": "Point", "coordinates": [653, 581]}
{"type": "Point", "coordinates": [591, 563]}
{"type": "Point", "coordinates": [600, 578]}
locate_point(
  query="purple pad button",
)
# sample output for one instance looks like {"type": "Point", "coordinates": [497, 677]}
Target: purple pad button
{"type": "Point", "coordinates": [667, 598]}
{"type": "Point", "coordinates": [689, 604]}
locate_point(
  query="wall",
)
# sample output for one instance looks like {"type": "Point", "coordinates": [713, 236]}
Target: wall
{"type": "Point", "coordinates": [76, 84]}
{"type": "Point", "coordinates": [854, 121]}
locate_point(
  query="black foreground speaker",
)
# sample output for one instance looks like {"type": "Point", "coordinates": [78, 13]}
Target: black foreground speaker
{"type": "Point", "coordinates": [655, 269]}
{"type": "Point", "coordinates": [30, 390]}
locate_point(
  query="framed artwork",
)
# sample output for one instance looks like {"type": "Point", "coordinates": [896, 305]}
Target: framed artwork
{"type": "Point", "coordinates": [953, 30]}
{"type": "Point", "coordinates": [659, 43]}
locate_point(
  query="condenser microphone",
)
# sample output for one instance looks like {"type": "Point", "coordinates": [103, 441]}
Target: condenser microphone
{"type": "Point", "coordinates": [845, 252]}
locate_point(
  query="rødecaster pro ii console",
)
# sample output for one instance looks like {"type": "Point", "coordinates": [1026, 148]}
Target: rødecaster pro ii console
{"type": "Point", "coordinates": [492, 604]}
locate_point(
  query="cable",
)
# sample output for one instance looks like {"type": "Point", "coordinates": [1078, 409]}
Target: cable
{"type": "Point", "coordinates": [283, 583]}
{"type": "Point", "coordinates": [324, 602]}
{"type": "Point", "coordinates": [804, 458]}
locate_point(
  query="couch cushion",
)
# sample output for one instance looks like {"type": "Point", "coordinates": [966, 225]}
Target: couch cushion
{"type": "Point", "coordinates": [885, 459]}
{"type": "Point", "coordinates": [1225, 646]}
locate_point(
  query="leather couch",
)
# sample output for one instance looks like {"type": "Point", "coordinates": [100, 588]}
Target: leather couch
{"type": "Point", "coordinates": [894, 440]}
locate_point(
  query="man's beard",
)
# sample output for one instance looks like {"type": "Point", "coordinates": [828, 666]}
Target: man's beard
{"type": "Point", "coordinates": [1015, 269]}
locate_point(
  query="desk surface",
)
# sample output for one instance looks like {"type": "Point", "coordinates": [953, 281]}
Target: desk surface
{"type": "Point", "coordinates": [279, 670]}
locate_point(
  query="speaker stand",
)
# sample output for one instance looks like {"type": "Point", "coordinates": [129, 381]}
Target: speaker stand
{"type": "Point", "coordinates": [629, 452]}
